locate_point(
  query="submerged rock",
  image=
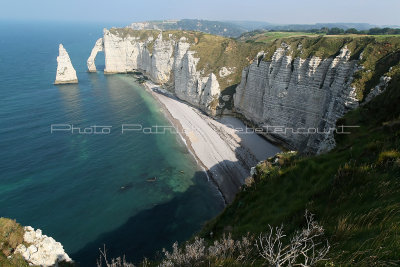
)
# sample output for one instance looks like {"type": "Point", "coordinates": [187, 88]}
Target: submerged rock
{"type": "Point", "coordinates": [41, 249]}
{"type": "Point", "coordinates": [125, 187]}
{"type": "Point", "coordinates": [65, 71]}
{"type": "Point", "coordinates": [152, 179]}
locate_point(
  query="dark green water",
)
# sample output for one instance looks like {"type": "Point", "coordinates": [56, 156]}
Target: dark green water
{"type": "Point", "coordinates": [90, 190]}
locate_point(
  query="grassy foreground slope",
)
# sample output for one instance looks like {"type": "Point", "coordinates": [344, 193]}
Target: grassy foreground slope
{"type": "Point", "coordinates": [11, 235]}
{"type": "Point", "coordinates": [354, 190]}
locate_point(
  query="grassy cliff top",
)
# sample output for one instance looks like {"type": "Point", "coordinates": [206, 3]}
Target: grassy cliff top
{"type": "Point", "coordinates": [215, 52]}
{"type": "Point", "coordinates": [144, 35]}
{"type": "Point", "coordinates": [379, 53]}
{"type": "Point", "coordinates": [376, 54]}
{"type": "Point", "coordinates": [213, 27]}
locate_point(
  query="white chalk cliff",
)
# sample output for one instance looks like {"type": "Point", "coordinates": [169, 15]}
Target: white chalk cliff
{"type": "Point", "coordinates": [65, 71]}
{"type": "Point", "coordinates": [300, 95]}
{"type": "Point", "coordinates": [41, 249]}
{"type": "Point", "coordinates": [296, 94]}
{"type": "Point", "coordinates": [170, 62]}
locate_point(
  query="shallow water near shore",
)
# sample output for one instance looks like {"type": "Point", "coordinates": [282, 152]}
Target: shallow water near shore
{"type": "Point", "coordinates": [133, 192]}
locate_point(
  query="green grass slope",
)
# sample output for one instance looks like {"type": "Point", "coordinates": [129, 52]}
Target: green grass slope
{"type": "Point", "coordinates": [11, 235]}
{"type": "Point", "coordinates": [354, 190]}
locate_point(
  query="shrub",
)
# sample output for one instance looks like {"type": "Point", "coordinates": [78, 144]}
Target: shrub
{"type": "Point", "coordinates": [305, 248]}
{"type": "Point", "coordinates": [387, 157]}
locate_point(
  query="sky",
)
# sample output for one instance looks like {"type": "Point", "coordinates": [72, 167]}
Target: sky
{"type": "Point", "coordinates": [377, 12]}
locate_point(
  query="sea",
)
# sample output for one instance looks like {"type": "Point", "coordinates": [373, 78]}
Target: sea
{"type": "Point", "coordinates": [66, 166]}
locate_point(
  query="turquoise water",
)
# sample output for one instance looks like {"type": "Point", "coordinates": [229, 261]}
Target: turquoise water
{"type": "Point", "coordinates": [90, 190]}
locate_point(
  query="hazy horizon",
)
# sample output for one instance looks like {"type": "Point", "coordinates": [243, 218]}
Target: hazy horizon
{"type": "Point", "coordinates": [124, 11]}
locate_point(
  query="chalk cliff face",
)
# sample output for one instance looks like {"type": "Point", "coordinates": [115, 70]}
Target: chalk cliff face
{"type": "Point", "coordinates": [41, 250]}
{"type": "Point", "coordinates": [169, 61]}
{"type": "Point", "coordinates": [192, 87]}
{"type": "Point", "coordinates": [127, 54]}
{"type": "Point", "coordinates": [300, 94]}
{"type": "Point", "coordinates": [291, 97]}
{"type": "Point", "coordinates": [65, 71]}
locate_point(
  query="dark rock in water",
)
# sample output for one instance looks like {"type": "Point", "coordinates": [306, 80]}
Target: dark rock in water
{"type": "Point", "coordinates": [125, 187]}
{"type": "Point", "coordinates": [144, 174]}
{"type": "Point", "coordinates": [153, 179]}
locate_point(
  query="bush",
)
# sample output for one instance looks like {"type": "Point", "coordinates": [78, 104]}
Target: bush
{"type": "Point", "coordinates": [388, 157]}
{"type": "Point", "coordinates": [306, 248]}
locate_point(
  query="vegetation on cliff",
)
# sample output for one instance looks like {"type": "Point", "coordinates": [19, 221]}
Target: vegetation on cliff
{"type": "Point", "coordinates": [11, 235]}
{"type": "Point", "coordinates": [306, 247]}
{"type": "Point", "coordinates": [265, 36]}
{"type": "Point", "coordinates": [247, 28]}
{"type": "Point", "coordinates": [227, 29]}
{"type": "Point", "coordinates": [376, 54]}
{"type": "Point", "coordinates": [214, 52]}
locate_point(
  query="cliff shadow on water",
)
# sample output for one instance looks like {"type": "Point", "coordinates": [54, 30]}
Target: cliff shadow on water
{"type": "Point", "coordinates": [148, 232]}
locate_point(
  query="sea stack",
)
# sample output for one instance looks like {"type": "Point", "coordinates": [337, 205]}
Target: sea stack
{"type": "Point", "coordinates": [65, 71]}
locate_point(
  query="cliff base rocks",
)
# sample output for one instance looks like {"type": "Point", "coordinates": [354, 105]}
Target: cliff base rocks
{"type": "Point", "coordinates": [42, 250]}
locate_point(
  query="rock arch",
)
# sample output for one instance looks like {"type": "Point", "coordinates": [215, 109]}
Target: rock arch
{"type": "Point", "coordinates": [98, 47]}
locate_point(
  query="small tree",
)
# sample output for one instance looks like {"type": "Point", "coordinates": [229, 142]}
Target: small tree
{"type": "Point", "coordinates": [304, 249]}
